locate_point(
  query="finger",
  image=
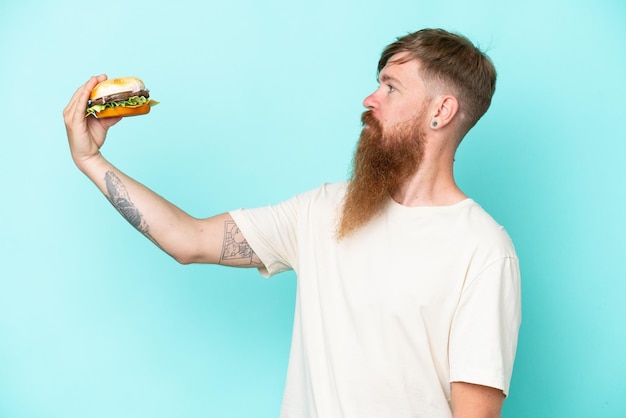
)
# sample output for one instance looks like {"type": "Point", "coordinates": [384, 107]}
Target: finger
{"type": "Point", "coordinates": [79, 97]}
{"type": "Point", "coordinates": [84, 90]}
{"type": "Point", "coordinates": [78, 102]}
{"type": "Point", "coordinates": [71, 104]}
{"type": "Point", "coordinates": [74, 113]}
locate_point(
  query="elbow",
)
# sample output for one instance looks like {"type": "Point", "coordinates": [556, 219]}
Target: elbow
{"type": "Point", "coordinates": [192, 257]}
{"type": "Point", "coordinates": [179, 255]}
{"type": "Point", "coordinates": [183, 259]}
{"type": "Point", "coordinates": [193, 244]}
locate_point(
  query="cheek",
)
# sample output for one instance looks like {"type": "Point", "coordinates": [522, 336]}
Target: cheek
{"type": "Point", "coordinates": [411, 115]}
{"type": "Point", "coordinates": [391, 119]}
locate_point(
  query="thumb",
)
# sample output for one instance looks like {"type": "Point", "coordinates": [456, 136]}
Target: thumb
{"type": "Point", "coordinates": [106, 123]}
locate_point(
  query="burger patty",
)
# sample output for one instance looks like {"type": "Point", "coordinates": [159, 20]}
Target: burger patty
{"type": "Point", "coordinates": [118, 97]}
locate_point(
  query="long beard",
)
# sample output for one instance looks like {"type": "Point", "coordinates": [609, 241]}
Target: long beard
{"type": "Point", "coordinates": [381, 163]}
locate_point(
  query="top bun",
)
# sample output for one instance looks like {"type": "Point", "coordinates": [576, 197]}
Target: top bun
{"type": "Point", "coordinates": [116, 85]}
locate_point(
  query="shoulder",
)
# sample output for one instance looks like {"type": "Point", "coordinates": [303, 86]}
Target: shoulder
{"type": "Point", "coordinates": [485, 230]}
{"type": "Point", "coordinates": [325, 195]}
{"type": "Point", "coordinates": [327, 191]}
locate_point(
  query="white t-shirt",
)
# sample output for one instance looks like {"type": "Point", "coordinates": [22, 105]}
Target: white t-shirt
{"type": "Point", "coordinates": [387, 318]}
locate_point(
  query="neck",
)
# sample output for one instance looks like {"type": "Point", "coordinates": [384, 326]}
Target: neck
{"type": "Point", "coordinates": [432, 184]}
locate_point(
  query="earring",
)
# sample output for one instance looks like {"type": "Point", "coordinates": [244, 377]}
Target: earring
{"type": "Point", "coordinates": [434, 123]}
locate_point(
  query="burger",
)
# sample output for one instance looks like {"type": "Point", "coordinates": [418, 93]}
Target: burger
{"type": "Point", "coordinates": [125, 96]}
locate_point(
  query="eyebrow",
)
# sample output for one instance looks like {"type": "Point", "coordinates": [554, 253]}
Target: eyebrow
{"type": "Point", "coordinates": [386, 77]}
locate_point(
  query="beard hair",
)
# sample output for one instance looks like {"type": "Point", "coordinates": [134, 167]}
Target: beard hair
{"type": "Point", "coordinates": [381, 163]}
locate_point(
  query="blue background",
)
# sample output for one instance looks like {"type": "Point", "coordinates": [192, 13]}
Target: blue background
{"type": "Point", "coordinates": [261, 100]}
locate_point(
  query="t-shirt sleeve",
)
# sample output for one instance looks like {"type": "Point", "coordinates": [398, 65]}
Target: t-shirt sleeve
{"type": "Point", "coordinates": [271, 233]}
{"type": "Point", "coordinates": [483, 337]}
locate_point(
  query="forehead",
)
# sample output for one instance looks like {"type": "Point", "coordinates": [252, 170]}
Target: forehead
{"type": "Point", "coordinates": [401, 67]}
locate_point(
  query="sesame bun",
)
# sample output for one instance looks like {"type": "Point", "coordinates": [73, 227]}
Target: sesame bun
{"type": "Point", "coordinates": [117, 85]}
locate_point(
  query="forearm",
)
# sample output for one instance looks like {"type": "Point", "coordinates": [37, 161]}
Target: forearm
{"type": "Point", "coordinates": [163, 223]}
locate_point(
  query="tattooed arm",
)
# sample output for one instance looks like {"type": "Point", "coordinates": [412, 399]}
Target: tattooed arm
{"type": "Point", "coordinates": [214, 240]}
{"type": "Point", "coordinates": [235, 250]}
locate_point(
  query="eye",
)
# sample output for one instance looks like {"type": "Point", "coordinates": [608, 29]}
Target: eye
{"type": "Point", "coordinates": [390, 88]}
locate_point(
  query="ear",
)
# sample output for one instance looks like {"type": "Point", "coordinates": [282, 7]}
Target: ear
{"type": "Point", "coordinates": [446, 107]}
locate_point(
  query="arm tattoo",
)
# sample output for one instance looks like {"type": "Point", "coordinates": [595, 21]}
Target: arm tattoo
{"type": "Point", "coordinates": [235, 250]}
{"type": "Point", "coordinates": [119, 198]}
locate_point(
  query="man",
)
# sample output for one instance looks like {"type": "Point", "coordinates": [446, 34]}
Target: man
{"type": "Point", "coordinates": [408, 300]}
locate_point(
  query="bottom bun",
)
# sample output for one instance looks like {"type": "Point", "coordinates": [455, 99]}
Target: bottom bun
{"type": "Point", "coordinates": [113, 112]}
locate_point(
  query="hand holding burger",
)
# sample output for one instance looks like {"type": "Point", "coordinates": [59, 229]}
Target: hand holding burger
{"type": "Point", "coordinates": [125, 96]}
{"type": "Point", "coordinates": [86, 134]}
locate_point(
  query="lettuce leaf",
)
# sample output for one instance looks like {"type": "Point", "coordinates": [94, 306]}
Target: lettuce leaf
{"type": "Point", "coordinates": [133, 101]}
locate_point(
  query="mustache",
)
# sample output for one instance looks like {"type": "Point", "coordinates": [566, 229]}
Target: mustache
{"type": "Point", "coordinates": [368, 119]}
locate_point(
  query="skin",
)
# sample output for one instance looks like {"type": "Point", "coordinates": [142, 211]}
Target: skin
{"type": "Point", "coordinates": [185, 238]}
{"type": "Point", "coordinates": [400, 93]}
{"type": "Point", "coordinates": [217, 240]}
{"type": "Point", "coordinates": [475, 401]}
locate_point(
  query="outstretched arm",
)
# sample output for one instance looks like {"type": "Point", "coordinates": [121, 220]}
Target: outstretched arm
{"type": "Point", "coordinates": [214, 240]}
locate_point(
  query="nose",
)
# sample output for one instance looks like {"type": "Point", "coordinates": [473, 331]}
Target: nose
{"type": "Point", "coordinates": [370, 101]}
